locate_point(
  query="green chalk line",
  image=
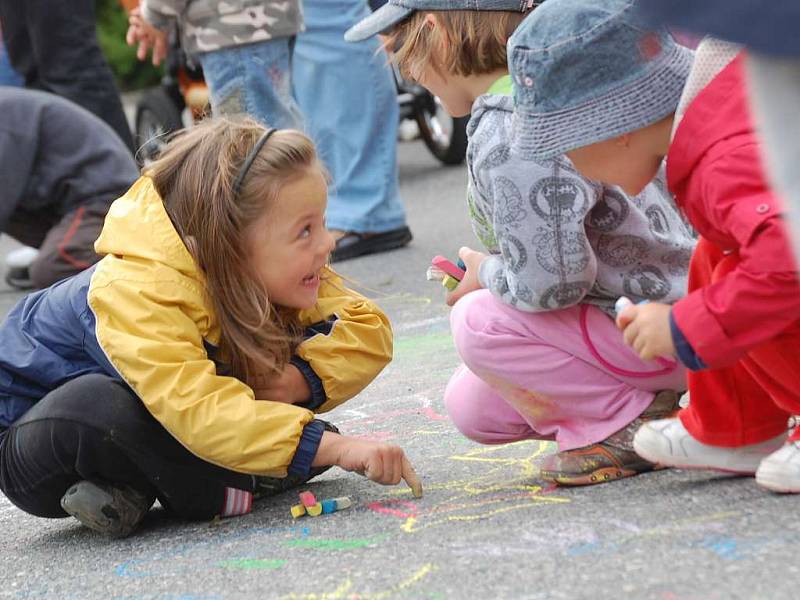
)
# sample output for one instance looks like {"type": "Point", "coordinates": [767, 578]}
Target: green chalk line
{"type": "Point", "coordinates": [252, 563]}
{"type": "Point", "coordinates": [431, 342]}
{"type": "Point", "coordinates": [333, 544]}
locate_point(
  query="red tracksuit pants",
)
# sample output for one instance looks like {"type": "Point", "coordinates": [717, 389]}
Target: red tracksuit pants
{"type": "Point", "coordinates": [751, 401]}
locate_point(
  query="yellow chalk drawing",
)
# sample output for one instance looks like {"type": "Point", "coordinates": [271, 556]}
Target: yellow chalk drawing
{"type": "Point", "coordinates": [505, 486]}
{"type": "Point", "coordinates": [345, 589]}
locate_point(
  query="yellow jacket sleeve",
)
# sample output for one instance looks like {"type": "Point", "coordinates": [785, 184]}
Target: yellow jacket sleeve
{"type": "Point", "coordinates": [349, 342]}
{"type": "Point", "coordinates": [151, 334]}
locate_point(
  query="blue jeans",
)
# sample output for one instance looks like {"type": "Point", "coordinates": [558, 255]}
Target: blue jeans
{"type": "Point", "coordinates": [348, 96]}
{"type": "Point", "coordinates": [255, 79]}
{"type": "Point", "coordinates": [8, 76]}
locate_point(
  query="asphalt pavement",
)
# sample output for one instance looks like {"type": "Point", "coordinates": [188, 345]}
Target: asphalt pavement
{"type": "Point", "coordinates": [485, 528]}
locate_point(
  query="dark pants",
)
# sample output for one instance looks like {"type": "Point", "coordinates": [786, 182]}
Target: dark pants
{"type": "Point", "coordinates": [66, 245]}
{"type": "Point", "coordinates": [95, 428]}
{"type": "Point", "coordinates": [53, 45]}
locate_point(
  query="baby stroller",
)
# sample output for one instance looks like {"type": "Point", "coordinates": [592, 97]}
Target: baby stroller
{"type": "Point", "coordinates": [182, 98]}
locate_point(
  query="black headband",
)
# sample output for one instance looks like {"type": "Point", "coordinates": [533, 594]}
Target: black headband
{"type": "Point", "coordinates": [248, 161]}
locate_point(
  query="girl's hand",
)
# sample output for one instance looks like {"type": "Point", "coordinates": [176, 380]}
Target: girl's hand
{"type": "Point", "coordinates": [472, 259]}
{"type": "Point", "coordinates": [289, 387]}
{"type": "Point", "coordinates": [646, 330]}
{"type": "Point", "coordinates": [383, 463]}
{"type": "Point", "coordinates": [146, 36]}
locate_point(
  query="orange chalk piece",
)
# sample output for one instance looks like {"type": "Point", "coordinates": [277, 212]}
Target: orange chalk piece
{"type": "Point", "coordinates": [298, 510]}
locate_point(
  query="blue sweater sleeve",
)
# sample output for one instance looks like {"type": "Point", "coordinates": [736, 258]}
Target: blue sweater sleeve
{"type": "Point", "coordinates": [686, 353]}
{"type": "Point", "coordinates": [307, 448]}
{"type": "Point", "coordinates": [318, 396]}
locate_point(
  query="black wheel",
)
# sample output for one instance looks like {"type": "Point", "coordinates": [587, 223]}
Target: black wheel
{"type": "Point", "coordinates": [445, 136]}
{"type": "Point", "coordinates": [158, 114]}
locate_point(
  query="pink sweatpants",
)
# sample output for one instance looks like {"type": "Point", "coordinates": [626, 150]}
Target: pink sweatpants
{"type": "Point", "coordinates": [563, 375]}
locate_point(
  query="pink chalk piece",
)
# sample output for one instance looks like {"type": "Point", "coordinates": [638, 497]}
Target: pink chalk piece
{"type": "Point", "coordinates": [307, 498]}
{"type": "Point", "coordinates": [441, 263]}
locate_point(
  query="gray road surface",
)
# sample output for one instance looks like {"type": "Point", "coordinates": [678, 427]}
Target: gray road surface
{"type": "Point", "coordinates": [486, 528]}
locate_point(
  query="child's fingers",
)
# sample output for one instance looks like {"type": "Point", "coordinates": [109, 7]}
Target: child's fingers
{"type": "Point", "coordinates": [625, 317]}
{"type": "Point", "coordinates": [410, 477]}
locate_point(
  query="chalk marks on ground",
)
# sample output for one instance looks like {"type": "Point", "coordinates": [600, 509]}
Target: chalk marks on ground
{"type": "Point", "coordinates": [504, 480]}
{"type": "Point", "coordinates": [408, 587]}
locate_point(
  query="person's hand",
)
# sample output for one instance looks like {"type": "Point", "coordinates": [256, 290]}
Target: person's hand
{"type": "Point", "coordinates": [289, 387]}
{"type": "Point", "coordinates": [646, 330]}
{"type": "Point", "coordinates": [147, 37]}
{"type": "Point", "coordinates": [383, 463]}
{"type": "Point", "coordinates": [472, 259]}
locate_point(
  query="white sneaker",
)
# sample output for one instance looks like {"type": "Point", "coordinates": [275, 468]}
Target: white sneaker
{"type": "Point", "coordinates": [780, 471]}
{"type": "Point", "coordinates": [21, 258]}
{"type": "Point", "coordinates": [666, 442]}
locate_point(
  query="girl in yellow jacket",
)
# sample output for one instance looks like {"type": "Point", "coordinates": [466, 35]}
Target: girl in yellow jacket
{"type": "Point", "coordinates": [189, 363]}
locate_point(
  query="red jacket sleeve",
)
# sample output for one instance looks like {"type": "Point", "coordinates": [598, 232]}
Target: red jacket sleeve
{"type": "Point", "coordinates": [760, 295]}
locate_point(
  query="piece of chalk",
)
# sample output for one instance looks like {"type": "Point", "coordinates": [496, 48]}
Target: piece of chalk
{"type": "Point", "coordinates": [450, 282]}
{"type": "Point", "coordinates": [621, 304]}
{"type": "Point", "coordinates": [298, 510]}
{"type": "Point", "coordinates": [308, 499]}
{"type": "Point", "coordinates": [315, 510]}
{"type": "Point", "coordinates": [328, 506]}
{"type": "Point", "coordinates": [343, 502]}
{"type": "Point", "coordinates": [440, 262]}
{"type": "Point", "coordinates": [434, 274]}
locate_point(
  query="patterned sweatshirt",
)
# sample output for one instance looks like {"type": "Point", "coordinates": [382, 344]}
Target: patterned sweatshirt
{"type": "Point", "coordinates": [556, 238]}
{"type": "Point", "coordinates": [208, 25]}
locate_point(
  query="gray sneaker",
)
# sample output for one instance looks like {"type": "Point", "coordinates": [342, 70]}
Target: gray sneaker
{"type": "Point", "coordinates": [114, 511]}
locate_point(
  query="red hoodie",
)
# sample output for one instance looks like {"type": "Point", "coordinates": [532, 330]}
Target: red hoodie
{"type": "Point", "coordinates": [714, 170]}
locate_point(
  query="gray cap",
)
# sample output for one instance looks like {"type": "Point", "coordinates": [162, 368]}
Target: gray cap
{"type": "Point", "coordinates": [395, 11]}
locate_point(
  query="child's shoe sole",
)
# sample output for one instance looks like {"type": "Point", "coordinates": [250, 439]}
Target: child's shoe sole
{"type": "Point", "coordinates": [112, 511]}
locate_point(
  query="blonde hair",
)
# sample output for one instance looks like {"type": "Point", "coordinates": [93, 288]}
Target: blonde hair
{"type": "Point", "coordinates": [465, 42]}
{"type": "Point", "coordinates": [194, 176]}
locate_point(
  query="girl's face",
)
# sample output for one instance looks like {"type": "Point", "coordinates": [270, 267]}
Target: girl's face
{"type": "Point", "coordinates": [289, 244]}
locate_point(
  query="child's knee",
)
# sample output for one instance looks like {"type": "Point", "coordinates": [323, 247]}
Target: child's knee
{"type": "Point", "coordinates": [468, 321]}
{"type": "Point", "coordinates": [465, 408]}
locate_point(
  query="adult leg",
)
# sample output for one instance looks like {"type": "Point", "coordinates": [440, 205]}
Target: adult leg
{"type": "Point", "coordinates": [255, 79]}
{"type": "Point", "coordinates": [348, 95]}
{"type": "Point", "coordinates": [67, 60]}
{"type": "Point", "coordinates": [95, 428]}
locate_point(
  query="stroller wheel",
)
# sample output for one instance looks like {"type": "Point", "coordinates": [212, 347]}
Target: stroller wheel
{"type": "Point", "coordinates": [445, 136]}
{"type": "Point", "coordinates": [157, 115]}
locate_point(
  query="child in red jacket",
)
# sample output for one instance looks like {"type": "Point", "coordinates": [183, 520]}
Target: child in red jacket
{"type": "Point", "coordinates": [589, 84]}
